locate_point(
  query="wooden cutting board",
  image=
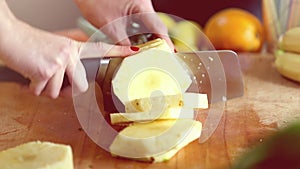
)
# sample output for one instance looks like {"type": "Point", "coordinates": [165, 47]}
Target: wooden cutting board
{"type": "Point", "coordinates": [270, 102]}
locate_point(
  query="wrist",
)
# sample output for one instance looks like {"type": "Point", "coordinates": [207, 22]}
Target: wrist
{"type": "Point", "coordinates": [6, 16]}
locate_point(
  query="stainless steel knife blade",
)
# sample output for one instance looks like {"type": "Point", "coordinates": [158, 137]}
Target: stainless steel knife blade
{"type": "Point", "coordinates": [217, 73]}
{"type": "Point", "coordinates": [203, 64]}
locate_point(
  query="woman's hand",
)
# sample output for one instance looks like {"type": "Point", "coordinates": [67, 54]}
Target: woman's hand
{"type": "Point", "coordinates": [102, 12]}
{"type": "Point", "coordinates": [45, 58]}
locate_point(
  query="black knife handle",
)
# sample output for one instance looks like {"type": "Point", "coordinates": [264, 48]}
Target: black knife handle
{"type": "Point", "coordinates": [91, 66]}
{"type": "Point", "coordinates": [9, 75]}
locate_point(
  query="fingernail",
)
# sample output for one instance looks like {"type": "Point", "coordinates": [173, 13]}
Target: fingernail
{"type": "Point", "coordinates": [175, 50]}
{"type": "Point", "coordinates": [134, 48]}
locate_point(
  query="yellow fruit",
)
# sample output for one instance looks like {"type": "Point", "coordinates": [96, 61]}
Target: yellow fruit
{"type": "Point", "coordinates": [182, 47]}
{"type": "Point", "coordinates": [235, 29]}
{"type": "Point", "coordinates": [184, 100]}
{"type": "Point", "coordinates": [287, 64]}
{"type": "Point", "coordinates": [152, 85]}
{"type": "Point", "coordinates": [37, 155]}
{"type": "Point", "coordinates": [168, 114]}
{"type": "Point", "coordinates": [167, 20]}
{"type": "Point", "coordinates": [154, 70]}
{"type": "Point", "coordinates": [289, 41]}
{"type": "Point", "coordinates": [287, 61]}
{"type": "Point", "coordinates": [156, 141]}
{"type": "Point", "coordinates": [186, 32]}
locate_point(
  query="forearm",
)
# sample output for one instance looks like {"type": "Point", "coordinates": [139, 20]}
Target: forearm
{"type": "Point", "coordinates": [7, 20]}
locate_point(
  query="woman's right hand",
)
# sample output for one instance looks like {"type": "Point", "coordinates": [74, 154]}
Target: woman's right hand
{"type": "Point", "coordinates": [45, 58]}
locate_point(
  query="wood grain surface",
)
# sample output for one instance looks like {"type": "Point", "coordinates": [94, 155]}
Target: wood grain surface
{"type": "Point", "coordinates": [270, 102]}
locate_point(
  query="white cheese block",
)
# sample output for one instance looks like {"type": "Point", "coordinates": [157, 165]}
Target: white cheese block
{"type": "Point", "coordinates": [37, 155]}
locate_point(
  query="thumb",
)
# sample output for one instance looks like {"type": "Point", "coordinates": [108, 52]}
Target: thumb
{"type": "Point", "coordinates": [116, 31]}
{"type": "Point", "coordinates": [100, 49]}
{"type": "Point", "coordinates": [157, 27]}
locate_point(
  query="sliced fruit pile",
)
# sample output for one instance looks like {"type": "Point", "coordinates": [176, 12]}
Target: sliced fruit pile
{"type": "Point", "coordinates": [288, 55]}
{"type": "Point", "coordinates": [153, 85]}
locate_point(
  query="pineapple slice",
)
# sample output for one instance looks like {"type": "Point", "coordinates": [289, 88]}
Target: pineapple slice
{"type": "Point", "coordinates": [186, 100]}
{"type": "Point", "coordinates": [169, 113]}
{"type": "Point", "coordinates": [151, 72]}
{"type": "Point", "coordinates": [155, 141]}
{"type": "Point", "coordinates": [37, 155]}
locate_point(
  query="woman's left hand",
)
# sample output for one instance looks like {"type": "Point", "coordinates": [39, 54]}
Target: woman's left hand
{"type": "Point", "coordinates": [102, 12]}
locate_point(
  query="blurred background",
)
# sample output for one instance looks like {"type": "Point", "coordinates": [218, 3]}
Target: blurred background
{"type": "Point", "coordinates": [191, 10]}
{"type": "Point", "coordinates": [62, 14]}
{"type": "Point", "coordinates": [46, 14]}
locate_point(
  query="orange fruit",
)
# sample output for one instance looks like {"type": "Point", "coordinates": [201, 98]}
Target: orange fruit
{"type": "Point", "coordinates": [235, 29]}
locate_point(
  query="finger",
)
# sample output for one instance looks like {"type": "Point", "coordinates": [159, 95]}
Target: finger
{"type": "Point", "coordinates": [77, 77]}
{"type": "Point", "coordinates": [168, 40]}
{"type": "Point", "coordinates": [54, 84]}
{"type": "Point", "coordinates": [122, 50]}
{"type": "Point", "coordinates": [157, 27]}
{"type": "Point", "coordinates": [116, 31]}
{"type": "Point", "coordinates": [37, 86]}
{"type": "Point", "coordinates": [99, 49]}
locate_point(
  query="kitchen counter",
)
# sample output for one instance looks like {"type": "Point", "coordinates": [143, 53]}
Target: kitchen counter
{"type": "Point", "coordinates": [269, 103]}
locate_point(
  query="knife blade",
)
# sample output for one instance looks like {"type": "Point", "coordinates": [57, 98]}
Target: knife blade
{"type": "Point", "coordinates": [217, 73]}
{"type": "Point", "coordinates": [202, 64]}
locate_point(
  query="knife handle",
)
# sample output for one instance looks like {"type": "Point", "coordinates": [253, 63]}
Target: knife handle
{"type": "Point", "coordinates": [8, 75]}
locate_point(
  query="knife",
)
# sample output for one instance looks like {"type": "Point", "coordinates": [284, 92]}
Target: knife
{"type": "Point", "coordinates": [212, 70]}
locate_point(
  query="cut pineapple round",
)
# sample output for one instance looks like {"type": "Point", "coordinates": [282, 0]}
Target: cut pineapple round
{"type": "Point", "coordinates": [37, 155]}
{"type": "Point", "coordinates": [155, 141]}
{"type": "Point", "coordinates": [151, 82]}
{"type": "Point", "coordinates": [186, 100]}
{"type": "Point", "coordinates": [152, 72]}
{"type": "Point", "coordinates": [167, 114]}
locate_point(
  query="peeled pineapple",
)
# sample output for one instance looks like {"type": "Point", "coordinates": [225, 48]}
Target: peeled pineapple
{"type": "Point", "coordinates": [153, 85]}
{"type": "Point", "coordinates": [154, 71]}
{"type": "Point", "coordinates": [37, 155]}
{"type": "Point", "coordinates": [155, 141]}
{"type": "Point", "coordinates": [186, 100]}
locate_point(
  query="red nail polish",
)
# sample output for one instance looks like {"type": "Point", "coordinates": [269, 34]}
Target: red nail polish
{"type": "Point", "coordinates": [134, 48]}
{"type": "Point", "coordinates": [175, 50]}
